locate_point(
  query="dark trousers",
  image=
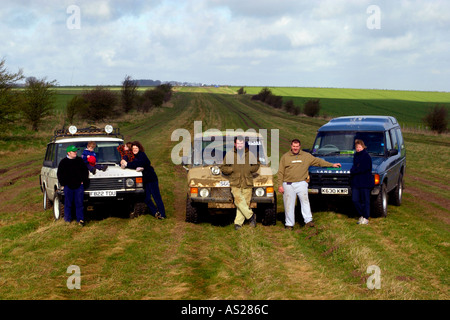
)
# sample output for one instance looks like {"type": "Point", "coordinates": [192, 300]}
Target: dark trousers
{"type": "Point", "coordinates": [361, 200]}
{"type": "Point", "coordinates": [152, 190]}
{"type": "Point", "coordinates": [73, 197]}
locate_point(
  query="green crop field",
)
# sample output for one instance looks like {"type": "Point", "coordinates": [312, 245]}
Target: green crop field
{"type": "Point", "coordinates": [149, 259]}
{"type": "Point", "coordinates": [409, 107]}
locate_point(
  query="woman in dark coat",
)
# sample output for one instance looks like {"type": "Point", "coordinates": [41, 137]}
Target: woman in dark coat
{"type": "Point", "coordinates": [150, 180]}
{"type": "Point", "coordinates": [362, 181]}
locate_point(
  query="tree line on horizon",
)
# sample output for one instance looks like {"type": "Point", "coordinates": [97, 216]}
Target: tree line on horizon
{"type": "Point", "coordinates": [101, 103]}
{"type": "Point", "coordinates": [37, 98]}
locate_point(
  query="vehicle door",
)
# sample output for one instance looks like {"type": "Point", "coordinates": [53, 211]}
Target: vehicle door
{"type": "Point", "coordinates": [394, 161]}
{"type": "Point", "coordinates": [48, 171]}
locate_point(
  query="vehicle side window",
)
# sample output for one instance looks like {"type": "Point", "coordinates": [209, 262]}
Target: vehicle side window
{"type": "Point", "coordinates": [48, 152]}
{"type": "Point", "coordinates": [400, 138]}
{"type": "Point", "coordinates": [394, 139]}
{"type": "Point", "coordinates": [388, 141]}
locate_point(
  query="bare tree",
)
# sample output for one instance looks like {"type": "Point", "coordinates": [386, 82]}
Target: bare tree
{"type": "Point", "coordinates": [8, 97]}
{"type": "Point", "coordinates": [38, 99]}
{"type": "Point", "coordinates": [128, 93]}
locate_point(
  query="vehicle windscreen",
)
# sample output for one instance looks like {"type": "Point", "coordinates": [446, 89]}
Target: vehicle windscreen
{"type": "Point", "coordinates": [343, 143]}
{"type": "Point", "coordinates": [214, 151]}
{"type": "Point", "coordinates": [106, 151]}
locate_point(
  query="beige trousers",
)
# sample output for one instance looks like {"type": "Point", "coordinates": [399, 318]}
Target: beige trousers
{"type": "Point", "coordinates": [242, 198]}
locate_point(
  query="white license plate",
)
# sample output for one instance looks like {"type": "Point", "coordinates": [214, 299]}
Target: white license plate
{"type": "Point", "coordinates": [105, 193]}
{"type": "Point", "coordinates": [334, 190]}
{"type": "Point", "coordinates": [224, 183]}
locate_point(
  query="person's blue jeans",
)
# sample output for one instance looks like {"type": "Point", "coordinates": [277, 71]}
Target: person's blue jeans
{"type": "Point", "coordinates": [73, 197]}
{"type": "Point", "coordinates": [152, 190]}
{"type": "Point", "coordinates": [361, 200]}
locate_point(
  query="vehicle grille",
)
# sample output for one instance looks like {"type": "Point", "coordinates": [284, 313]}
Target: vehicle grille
{"type": "Point", "coordinates": [221, 193]}
{"type": "Point", "coordinates": [328, 180]}
{"type": "Point", "coordinates": [106, 184]}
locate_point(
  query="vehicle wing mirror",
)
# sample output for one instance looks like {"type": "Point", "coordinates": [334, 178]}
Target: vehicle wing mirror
{"type": "Point", "coordinates": [185, 162]}
{"type": "Point", "coordinates": [392, 152]}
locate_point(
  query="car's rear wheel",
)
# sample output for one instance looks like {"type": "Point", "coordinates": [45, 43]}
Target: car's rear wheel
{"type": "Point", "coordinates": [397, 193]}
{"type": "Point", "coordinates": [47, 204]}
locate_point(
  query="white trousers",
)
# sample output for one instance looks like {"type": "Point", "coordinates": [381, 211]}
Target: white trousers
{"type": "Point", "coordinates": [291, 191]}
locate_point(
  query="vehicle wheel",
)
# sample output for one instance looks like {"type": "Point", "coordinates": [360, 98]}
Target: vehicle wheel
{"type": "Point", "coordinates": [316, 202]}
{"type": "Point", "coordinates": [192, 211]}
{"type": "Point", "coordinates": [58, 207]}
{"type": "Point", "coordinates": [138, 209]}
{"type": "Point", "coordinates": [270, 213]}
{"type": "Point", "coordinates": [396, 194]}
{"type": "Point", "coordinates": [379, 208]}
{"type": "Point", "coordinates": [47, 203]}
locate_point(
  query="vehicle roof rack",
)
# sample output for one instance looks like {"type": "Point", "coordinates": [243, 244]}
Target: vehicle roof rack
{"type": "Point", "coordinates": [90, 131]}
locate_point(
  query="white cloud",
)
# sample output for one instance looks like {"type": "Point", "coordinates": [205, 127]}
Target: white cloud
{"type": "Point", "coordinates": [292, 42]}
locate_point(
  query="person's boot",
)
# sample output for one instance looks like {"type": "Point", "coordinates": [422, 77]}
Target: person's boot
{"type": "Point", "coordinates": [253, 221]}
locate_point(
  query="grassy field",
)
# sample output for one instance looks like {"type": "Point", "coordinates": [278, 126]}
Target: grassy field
{"type": "Point", "coordinates": [145, 258]}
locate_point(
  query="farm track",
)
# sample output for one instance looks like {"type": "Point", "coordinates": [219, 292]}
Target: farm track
{"type": "Point", "coordinates": [304, 275]}
{"type": "Point", "coordinates": [145, 258]}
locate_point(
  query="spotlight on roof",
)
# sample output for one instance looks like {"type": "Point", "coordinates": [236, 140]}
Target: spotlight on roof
{"type": "Point", "coordinates": [72, 129]}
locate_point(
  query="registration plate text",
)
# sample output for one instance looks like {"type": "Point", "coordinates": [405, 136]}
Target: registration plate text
{"type": "Point", "coordinates": [103, 193]}
{"type": "Point", "coordinates": [334, 190]}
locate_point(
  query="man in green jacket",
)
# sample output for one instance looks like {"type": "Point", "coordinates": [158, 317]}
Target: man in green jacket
{"type": "Point", "coordinates": [293, 181]}
{"type": "Point", "coordinates": [240, 164]}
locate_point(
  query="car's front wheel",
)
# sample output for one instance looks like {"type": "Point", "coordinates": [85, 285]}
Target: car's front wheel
{"type": "Point", "coordinates": [379, 207]}
{"type": "Point", "coordinates": [270, 213]}
{"type": "Point", "coordinates": [192, 211]}
{"type": "Point", "coordinates": [58, 207]}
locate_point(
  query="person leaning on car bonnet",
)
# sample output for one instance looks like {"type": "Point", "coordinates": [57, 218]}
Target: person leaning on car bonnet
{"type": "Point", "coordinates": [150, 179]}
{"type": "Point", "coordinates": [72, 176]}
{"type": "Point", "coordinates": [292, 181]}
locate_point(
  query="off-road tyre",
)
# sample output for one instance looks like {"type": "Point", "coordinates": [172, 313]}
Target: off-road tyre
{"type": "Point", "coordinates": [379, 206]}
{"type": "Point", "coordinates": [192, 211]}
{"type": "Point", "coordinates": [58, 207]}
{"type": "Point", "coordinates": [139, 209]}
{"type": "Point", "coordinates": [270, 213]}
{"type": "Point", "coordinates": [395, 196]}
{"type": "Point", "coordinates": [47, 204]}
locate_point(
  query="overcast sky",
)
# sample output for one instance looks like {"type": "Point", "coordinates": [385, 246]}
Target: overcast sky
{"type": "Point", "coordinates": [396, 44]}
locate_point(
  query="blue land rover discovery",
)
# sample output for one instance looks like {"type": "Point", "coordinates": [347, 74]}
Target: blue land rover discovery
{"type": "Point", "coordinates": [335, 143]}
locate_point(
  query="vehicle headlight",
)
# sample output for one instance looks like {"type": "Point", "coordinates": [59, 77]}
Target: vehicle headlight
{"type": "Point", "coordinates": [215, 170]}
{"type": "Point", "coordinates": [259, 192]}
{"type": "Point", "coordinates": [204, 193]}
{"type": "Point", "coordinates": [129, 183]}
